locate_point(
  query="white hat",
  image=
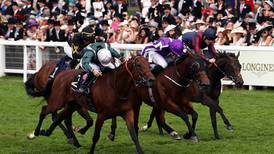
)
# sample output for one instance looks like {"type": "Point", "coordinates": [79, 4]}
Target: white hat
{"type": "Point", "coordinates": [199, 21]}
{"type": "Point", "coordinates": [262, 28]}
{"type": "Point", "coordinates": [238, 30]}
{"type": "Point", "coordinates": [104, 57]}
{"type": "Point", "coordinates": [169, 27]}
{"type": "Point", "coordinates": [269, 3]}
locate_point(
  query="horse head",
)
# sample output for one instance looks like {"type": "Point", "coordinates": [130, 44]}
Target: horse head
{"type": "Point", "coordinates": [194, 70]}
{"type": "Point", "coordinates": [138, 68]}
{"type": "Point", "coordinates": [229, 65]}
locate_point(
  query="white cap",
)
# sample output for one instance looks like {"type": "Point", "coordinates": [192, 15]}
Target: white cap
{"type": "Point", "coordinates": [104, 57]}
{"type": "Point", "coordinates": [169, 27]}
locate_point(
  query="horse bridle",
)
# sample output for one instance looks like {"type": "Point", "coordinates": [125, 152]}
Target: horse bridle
{"type": "Point", "coordinates": [142, 80]}
{"type": "Point", "coordinates": [225, 74]}
{"type": "Point", "coordinates": [188, 81]}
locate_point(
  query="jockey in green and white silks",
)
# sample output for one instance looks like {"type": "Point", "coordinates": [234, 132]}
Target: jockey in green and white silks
{"type": "Point", "coordinates": [97, 57]}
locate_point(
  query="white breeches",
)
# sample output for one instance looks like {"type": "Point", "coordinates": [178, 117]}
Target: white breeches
{"type": "Point", "coordinates": [156, 58]}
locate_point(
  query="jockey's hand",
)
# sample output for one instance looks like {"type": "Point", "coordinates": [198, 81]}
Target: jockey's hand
{"type": "Point", "coordinates": [212, 60]}
{"type": "Point", "coordinates": [97, 73]}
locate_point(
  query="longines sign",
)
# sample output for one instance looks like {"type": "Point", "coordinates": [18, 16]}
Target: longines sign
{"type": "Point", "coordinates": [257, 67]}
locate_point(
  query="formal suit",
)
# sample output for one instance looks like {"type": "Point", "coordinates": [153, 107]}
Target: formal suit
{"type": "Point", "coordinates": [243, 10]}
{"type": "Point", "coordinates": [183, 6]}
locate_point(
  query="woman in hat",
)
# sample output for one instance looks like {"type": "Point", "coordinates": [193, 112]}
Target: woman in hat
{"type": "Point", "coordinates": [222, 38]}
{"type": "Point", "coordinates": [264, 35]}
{"type": "Point", "coordinates": [142, 37]}
{"type": "Point", "coordinates": [266, 13]}
{"type": "Point", "coordinates": [238, 36]}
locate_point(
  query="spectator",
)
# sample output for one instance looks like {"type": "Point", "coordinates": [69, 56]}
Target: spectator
{"type": "Point", "coordinates": [167, 15]}
{"type": "Point", "coordinates": [58, 34]}
{"type": "Point", "coordinates": [120, 7]}
{"type": "Point", "coordinates": [184, 7]}
{"type": "Point", "coordinates": [243, 9]}
{"type": "Point", "coordinates": [32, 29]}
{"type": "Point", "coordinates": [197, 9]}
{"type": "Point", "coordinates": [98, 8]}
{"type": "Point", "coordinates": [153, 26]}
{"type": "Point", "coordinates": [142, 37]}
{"type": "Point", "coordinates": [251, 28]}
{"type": "Point", "coordinates": [264, 35]}
{"type": "Point", "coordinates": [155, 11]}
{"type": "Point", "coordinates": [222, 38]}
{"type": "Point", "coordinates": [238, 38]}
{"type": "Point", "coordinates": [19, 31]}
{"type": "Point", "coordinates": [9, 32]}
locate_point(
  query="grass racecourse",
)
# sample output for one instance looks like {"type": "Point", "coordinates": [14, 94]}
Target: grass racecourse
{"type": "Point", "coordinates": [250, 112]}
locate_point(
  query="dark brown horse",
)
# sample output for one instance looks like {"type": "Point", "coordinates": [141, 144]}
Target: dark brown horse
{"type": "Point", "coordinates": [227, 64]}
{"type": "Point", "coordinates": [110, 95]}
{"type": "Point", "coordinates": [38, 85]}
{"type": "Point", "coordinates": [172, 91]}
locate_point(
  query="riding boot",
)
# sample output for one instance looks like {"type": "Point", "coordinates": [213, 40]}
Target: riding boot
{"type": "Point", "coordinates": [73, 63]}
{"type": "Point", "coordinates": [156, 69]}
{"type": "Point", "coordinates": [60, 66]}
{"type": "Point", "coordinates": [84, 83]}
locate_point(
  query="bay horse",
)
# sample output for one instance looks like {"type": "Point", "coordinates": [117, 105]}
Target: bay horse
{"type": "Point", "coordinates": [110, 96]}
{"type": "Point", "coordinates": [173, 90]}
{"type": "Point", "coordinates": [38, 85]}
{"type": "Point", "coordinates": [227, 64]}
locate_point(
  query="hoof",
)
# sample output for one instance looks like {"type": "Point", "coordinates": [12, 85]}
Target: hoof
{"type": "Point", "coordinates": [175, 135]}
{"type": "Point", "coordinates": [71, 141]}
{"type": "Point", "coordinates": [187, 135]}
{"type": "Point", "coordinates": [43, 132]}
{"type": "Point", "coordinates": [230, 128]}
{"type": "Point", "coordinates": [31, 136]}
{"type": "Point", "coordinates": [111, 136]}
{"type": "Point", "coordinates": [144, 128]}
{"type": "Point", "coordinates": [194, 139]}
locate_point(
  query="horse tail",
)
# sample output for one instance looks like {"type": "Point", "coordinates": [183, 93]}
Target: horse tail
{"type": "Point", "coordinates": [30, 87]}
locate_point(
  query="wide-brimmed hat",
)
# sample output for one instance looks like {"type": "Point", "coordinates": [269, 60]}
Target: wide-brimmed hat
{"type": "Point", "coordinates": [269, 3]}
{"type": "Point", "coordinates": [261, 28]}
{"type": "Point", "coordinates": [198, 21]}
{"type": "Point", "coordinates": [169, 27]}
{"type": "Point", "coordinates": [153, 24]}
{"type": "Point", "coordinates": [238, 30]}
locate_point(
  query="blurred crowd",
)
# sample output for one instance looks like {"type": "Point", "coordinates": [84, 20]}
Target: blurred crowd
{"type": "Point", "coordinates": [238, 22]}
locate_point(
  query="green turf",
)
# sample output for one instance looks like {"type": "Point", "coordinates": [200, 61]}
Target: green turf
{"type": "Point", "coordinates": [250, 112]}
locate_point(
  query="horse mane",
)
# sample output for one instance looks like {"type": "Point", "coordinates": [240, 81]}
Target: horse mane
{"type": "Point", "coordinates": [225, 55]}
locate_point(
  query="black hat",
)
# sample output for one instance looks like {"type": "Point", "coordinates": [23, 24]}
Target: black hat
{"type": "Point", "coordinates": [104, 22]}
{"type": "Point", "coordinates": [57, 23]}
{"type": "Point", "coordinates": [50, 21]}
{"type": "Point", "coordinates": [12, 21]}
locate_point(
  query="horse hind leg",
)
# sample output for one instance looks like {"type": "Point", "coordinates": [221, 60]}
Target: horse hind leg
{"type": "Point", "coordinates": [113, 127]}
{"type": "Point", "coordinates": [71, 135]}
{"type": "Point", "coordinates": [89, 121]}
{"type": "Point", "coordinates": [65, 131]}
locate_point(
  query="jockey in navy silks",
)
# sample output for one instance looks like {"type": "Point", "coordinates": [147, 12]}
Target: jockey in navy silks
{"type": "Point", "coordinates": [200, 40]}
{"type": "Point", "coordinates": [162, 52]}
{"type": "Point", "coordinates": [73, 51]}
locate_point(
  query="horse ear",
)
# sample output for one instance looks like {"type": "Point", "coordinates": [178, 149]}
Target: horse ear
{"type": "Point", "coordinates": [131, 54]}
{"type": "Point", "coordinates": [238, 55]}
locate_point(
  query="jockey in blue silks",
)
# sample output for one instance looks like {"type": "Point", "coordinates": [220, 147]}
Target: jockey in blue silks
{"type": "Point", "coordinates": [162, 52]}
{"type": "Point", "coordinates": [200, 40]}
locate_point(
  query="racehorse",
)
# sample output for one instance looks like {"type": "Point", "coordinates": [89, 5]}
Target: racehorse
{"type": "Point", "coordinates": [172, 91]}
{"type": "Point", "coordinates": [109, 94]}
{"type": "Point", "coordinates": [227, 64]}
{"type": "Point", "coordinates": [38, 85]}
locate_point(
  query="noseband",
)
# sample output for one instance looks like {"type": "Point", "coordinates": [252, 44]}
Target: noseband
{"type": "Point", "coordinates": [142, 80]}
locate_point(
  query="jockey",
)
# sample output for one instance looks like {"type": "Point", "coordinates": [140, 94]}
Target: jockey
{"type": "Point", "coordinates": [97, 58]}
{"type": "Point", "coordinates": [200, 40]}
{"type": "Point", "coordinates": [76, 44]}
{"type": "Point", "coordinates": [163, 51]}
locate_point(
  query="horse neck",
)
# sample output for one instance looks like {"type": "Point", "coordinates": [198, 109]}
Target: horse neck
{"type": "Point", "coordinates": [122, 80]}
{"type": "Point", "coordinates": [215, 75]}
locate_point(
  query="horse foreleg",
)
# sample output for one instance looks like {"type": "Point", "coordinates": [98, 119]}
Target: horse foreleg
{"type": "Point", "coordinates": [225, 119]}
{"type": "Point", "coordinates": [98, 125]}
{"type": "Point", "coordinates": [71, 136]}
{"type": "Point", "coordinates": [130, 122]}
{"type": "Point", "coordinates": [41, 119]}
{"type": "Point", "coordinates": [194, 116]}
{"type": "Point", "coordinates": [150, 120]}
{"type": "Point", "coordinates": [89, 121]}
{"type": "Point", "coordinates": [65, 131]}
{"type": "Point", "coordinates": [113, 127]}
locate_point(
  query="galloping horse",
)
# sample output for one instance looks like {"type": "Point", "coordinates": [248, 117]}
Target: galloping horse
{"type": "Point", "coordinates": [110, 96]}
{"type": "Point", "coordinates": [172, 91]}
{"type": "Point", "coordinates": [227, 64]}
{"type": "Point", "coordinates": [38, 85]}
